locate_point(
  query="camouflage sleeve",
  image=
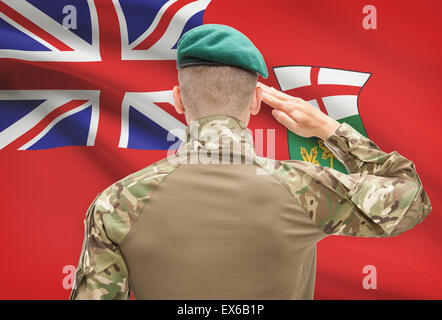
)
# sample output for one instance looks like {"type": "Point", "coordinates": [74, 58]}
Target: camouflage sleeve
{"type": "Point", "coordinates": [102, 273]}
{"type": "Point", "coordinates": [381, 196]}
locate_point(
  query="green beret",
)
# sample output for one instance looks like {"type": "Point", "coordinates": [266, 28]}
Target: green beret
{"type": "Point", "coordinates": [215, 44]}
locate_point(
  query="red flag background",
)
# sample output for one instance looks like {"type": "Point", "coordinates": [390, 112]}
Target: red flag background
{"type": "Point", "coordinates": [47, 192]}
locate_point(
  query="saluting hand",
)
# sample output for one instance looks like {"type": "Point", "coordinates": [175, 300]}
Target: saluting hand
{"type": "Point", "coordinates": [298, 115]}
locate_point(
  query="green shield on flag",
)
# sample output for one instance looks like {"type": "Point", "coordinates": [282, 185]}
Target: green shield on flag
{"type": "Point", "coordinates": [334, 92]}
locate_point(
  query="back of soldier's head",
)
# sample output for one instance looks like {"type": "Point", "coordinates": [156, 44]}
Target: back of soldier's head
{"type": "Point", "coordinates": [218, 69]}
{"type": "Point", "coordinates": [211, 90]}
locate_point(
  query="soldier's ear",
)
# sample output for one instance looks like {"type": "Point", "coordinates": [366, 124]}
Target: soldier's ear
{"type": "Point", "coordinates": [177, 102]}
{"type": "Point", "coordinates": [255, 104]}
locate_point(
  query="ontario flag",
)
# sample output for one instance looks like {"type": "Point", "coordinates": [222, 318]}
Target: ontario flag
{"type": "Point", "coordinates": [85, 100]}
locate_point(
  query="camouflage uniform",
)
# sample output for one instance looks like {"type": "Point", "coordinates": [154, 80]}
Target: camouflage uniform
{"type": "Point", "coordinates": [247, 230]}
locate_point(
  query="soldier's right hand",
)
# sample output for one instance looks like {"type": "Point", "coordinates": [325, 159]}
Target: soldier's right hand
{"type": "Point", "coordinates": [298, 115]}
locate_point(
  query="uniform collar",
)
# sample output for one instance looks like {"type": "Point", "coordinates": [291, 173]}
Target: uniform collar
{"type": "Point", "coordinates": [217, 133]}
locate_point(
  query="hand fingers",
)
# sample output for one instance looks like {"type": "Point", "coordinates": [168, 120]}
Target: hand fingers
{"type": "Point", "coordinates": [274, 92]}
{"type": "Point", "coordinates": [279, 94]}
{"type": "Point", "coordinates": [275, 102]}
{"type": "Point", "coordinates": [285, 120]}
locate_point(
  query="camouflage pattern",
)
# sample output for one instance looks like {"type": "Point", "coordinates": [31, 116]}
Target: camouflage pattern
{"type": "Point", "coordinates": [209, 138]}
{"type": "Point", "coordinates": [381, 196]}
{"type": "Point", "coordinates": [102, 272]}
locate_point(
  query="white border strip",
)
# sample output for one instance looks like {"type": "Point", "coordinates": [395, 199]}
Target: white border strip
{"type": "Point", "coordinates": [144, 102]}
{"type": "Point", "coordinates": [83, 51]}
{"type": "Point", "coordinates": [162, 49]}
{"type": "Point", "coordinates": [52, 124]}
{"type": "Point", "coordinates": [54, 99]}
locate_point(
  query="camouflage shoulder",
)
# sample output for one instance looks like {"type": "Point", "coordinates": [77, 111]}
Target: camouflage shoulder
{"type": "Point", "coordinates": [122, 202]}
{"type": "Point", "coordinates": [296, 174]}
{"type": "Point", "coordinates": [293, 174]}
{"type": "Point", "coordinates": [300, 174]}
{"type": "Point", "coordinates": [307, 181]}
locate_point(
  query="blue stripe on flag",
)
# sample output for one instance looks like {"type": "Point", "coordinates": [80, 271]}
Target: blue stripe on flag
{"type": "Point", "coordinates": [12, 38]}
{"type": "Point", "coordinates": [139, 15]}
{"type": "Point", "coordinates": [54, 9]}
{"type": "Point", "coordinates": [13, 110]}
{"type": "Point", "coordinates": [195, 21]}
{"type": "Point", "coordinates": [146, 134]}
{"type": "Point", "coordinates": [71, 131]}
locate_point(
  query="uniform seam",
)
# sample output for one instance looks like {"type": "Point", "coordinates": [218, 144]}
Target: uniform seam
{"type": "Point", "coordinates": [142, 208]}
{"type": "Point", "coordinates": [130, 289]}
{"type": "Point", "coordinates": [282, 182]}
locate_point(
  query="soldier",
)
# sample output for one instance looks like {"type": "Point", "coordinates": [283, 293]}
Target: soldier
{"type": "Point", "coordinates": [204, 223]}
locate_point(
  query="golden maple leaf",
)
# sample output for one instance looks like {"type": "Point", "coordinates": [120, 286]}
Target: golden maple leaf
{"type": "Point", "coordinates": [310, 156]}
{"type": "Point", "coordinates": [326, 153]}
